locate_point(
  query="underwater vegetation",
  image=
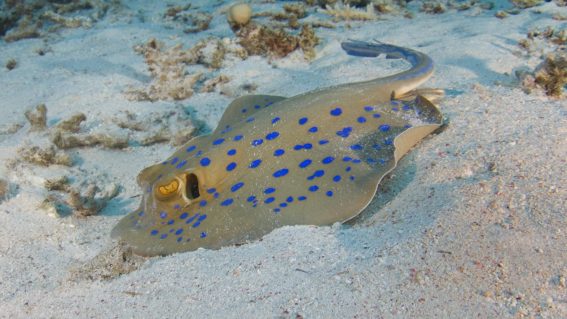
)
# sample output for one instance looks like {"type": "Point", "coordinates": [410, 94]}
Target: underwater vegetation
{"type": "Point", "coordinates": [77, 192]}
{"type": "Point", "coordinates": [551, 74]}
{"type": "Point", "coordinates": [35, 18]}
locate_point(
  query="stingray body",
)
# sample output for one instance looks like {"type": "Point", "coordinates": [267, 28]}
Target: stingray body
{"type": "Point", "coordinates": [314, 159]}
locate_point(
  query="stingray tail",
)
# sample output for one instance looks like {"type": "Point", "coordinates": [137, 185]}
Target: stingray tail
{"type": "Point", "coordinates": [422, 65]}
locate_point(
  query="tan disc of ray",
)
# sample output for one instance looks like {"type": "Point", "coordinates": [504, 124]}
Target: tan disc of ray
{"type": "Point", "coordinates": [315, 158]}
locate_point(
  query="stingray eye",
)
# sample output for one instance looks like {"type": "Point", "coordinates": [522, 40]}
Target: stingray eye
{"type": "Point", "coordinates": [192, 186]}
{"type": "Point", "coordinates": [168, 189]}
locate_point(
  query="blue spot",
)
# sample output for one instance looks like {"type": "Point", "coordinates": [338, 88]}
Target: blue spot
{"type": "Point", "coordinates": [170, 222]}
{"type": "Point", "coordinates": [269, 190]}
{"type": "Point", "coordinates": [275, 120]}
{"type": "Point", "coordinates": [313, 129]}
{"type": "Point", "coordinates": [336, 112]}
{"type": "Point", "coordinates": [192, 218]}
{"type": "Point", "coordinates": [202, 217]}
{"type": "Point", "coordinates": [236, 187]}
{"type": "Point", "coordinates": [257, 106]}
{"type": "Point", "coordinates": [356, 161]}
{"type": "Point", "coordinates": [154, 232]}
{"type": "Point", "coordinates": [303, 120]}
{"type": "Point", "coordinates": [237, 138]}
{"type": "Point", "coordinates": [277, 210]}
{"type": "Point", "coordinates": [257, 142]}
{"type": "Point", "coordinates": [244, 110]}
{"type": "Point", "coordinates": [361, 119]}
{"type": "Point", "coordinates": [298, 147]}
{"type": "Point", "coordinates": [281, 172]}
{"type": "Point", "coordinates": [283, 204]}
{"type": "Point", "coordinates": [406, 107]}
{"type": "Point", "coordinates": [179, 231]}
{"type": "Point", "coordinates": [348, 168]}
{"type": "Point", "coordinates": [250, 119]}
{"type": "Point", "coordinates": [337, 178]}
{"type": "Point", "coordinates": [255, 163]}
{"type": "Point", "coordinates": [251, 198]}
{"type": "Point", "coordinates": [218, 141]}
{"type": "Point", "coordinates": [289, 199]}
{"type": "Point", "coordinates": [174, 160]}
{"type": "Point", "coordinates": [389, 141]}
{"type": "Point", "coordinates": [183, 216]}
{"type": "Point", "coordinates": [181, 164]}
{"type": "Point", "coordinates": [356, 147]}
{"type": "Point", "coordinates": [368, 108]}
{"type": "Point", "coordinates": [199, 153]}
{"type": "Point", "coordinates": [205, 161]}
{"type": "Point", "coordinates": [307, 146]}
{"type": "Point", "coordinates": [376, 115]}
{"type": "Point", "coordinates": [301, 198]}
{"type": "Point", "coordinates": [203, 203]}
{"type": "Point", "coordinates": [279, 152]}
{"type": "Point", "coordinates": [329, 193]}
{"type": "Point", "coordinates": [347, 159]}
{"type": "Point", "coordinates": [163, 236]}
{"type": "Point", "coordinates": [177, 206]}
{"type": "Point", "coordinates": [407, 126]}
{"type": "Point", "coordinates": [328, 160]}
{"type": "Point", "coordinates": [227, 202]}
{"type": "Point", "coordinates": [272, 136]}
{"type": "Point", "coordinates": [269, 200]}
{"type": "Point", "coordinates": [203, 235]}
{"type": "Point", "coordinates": [313, 188]}
{"type": "Point", "coordinates": [323, 142]}
{"type": "Point", "coordinates": [163, 215]}
{"type": "Point", "coordinates": [231, 166]}
{"type": "Point", "coordinates": [345, 132]}
{"type": "Point", "coordinates": [211, 190]}
{"type": "Point", "coordinates": [305, 163]}
{"type": "Point", "coordinates": [395, 109]}
{"type": "Point", "coordinates": [191, 148]}
{"type": "Point", "coordinates": [351, 178]}
{"type": "Point", "coordinates": [231, 152]}
{"type": "Point", "coordinates": [318, 173]}
{"type": "Point", "coordinates": [179, 239]}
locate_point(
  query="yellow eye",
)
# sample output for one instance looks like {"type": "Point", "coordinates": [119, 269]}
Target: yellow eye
{"type": "Point", "coordinates": [168, 189]}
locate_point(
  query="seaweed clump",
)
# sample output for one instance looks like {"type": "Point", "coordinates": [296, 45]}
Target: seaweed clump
{"type": "Point", "coordinates": [551, 74]}
{"type": "Point", "coordinates": [4, 189]}
{"type": "Point", "coordinates": [277, 43]}
{"type": "Point", "coordinates": [34, 18]}
{"type": "Point", "coordinates": [170, 79]}
{"type": "Point", "coordinates": [167, 67]}
{"type": "Point", "coordinates": [341, 11]}
{"type": "Point", "coordinates": [63, 199]}
{"type": "Point", "coordinates": [11, 64]}
{"type": "Point", "coordinates": [191, 22]}
{"type": "Point", "coordinates": [273, 40]}
{"type": "Point", "coordinates": [524, 4]}
{"type": "Point", "coordinates": [37, 118]}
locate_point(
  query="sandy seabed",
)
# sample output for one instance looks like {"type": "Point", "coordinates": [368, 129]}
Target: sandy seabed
{"type": "Point", "coordinates": [472, 222]}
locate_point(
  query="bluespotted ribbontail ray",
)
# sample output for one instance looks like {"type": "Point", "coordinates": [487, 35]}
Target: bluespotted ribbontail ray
{"type": "Point", "coordinates": [315, 159]}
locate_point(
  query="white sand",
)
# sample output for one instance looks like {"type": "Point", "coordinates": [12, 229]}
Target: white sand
{"type": "Point", "coordinates": [472, 223]}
